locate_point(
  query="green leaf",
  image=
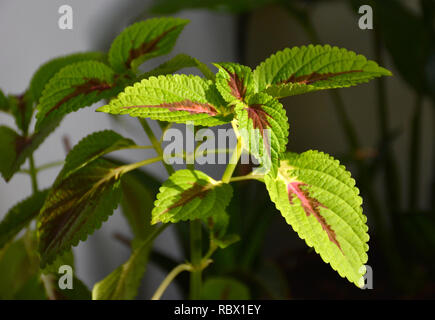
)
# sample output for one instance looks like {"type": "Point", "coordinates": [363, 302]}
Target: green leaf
{"type": "Point", "coordinates": [52, 291]}
{"type": "Point", "coordinates": [15, 148]}
{"type": "Point", "coordinates": [91, 148]}
{"type": "Point", "coordinates": [32, 289]}
{"type": "Point", "coordinates": [123, 283]}
{"type": "Point", "coordinates": [20, 216]}
{"type": "Point", "coordinates": [139, 189]}
{"type": "Point", "coordinates": [234, 81]}
{"type": "Point", "coordinates": [318, 198]}
{"type": "Point", "coordinates": [218, 225]}
{"type": "Point", "coordinates": [76, 86]}
{"type": "Point", "coordinates": [67, 258]}
{"type": "Point", "coordinates": [224, 288]}
{"type": "Point", "coordinates": [173, 98]}
{"type": "Point", "coordinates": [190, 195]}
{"type": "Point", "coordinates": [21, 107]}
{"type": "Point", "coordinates": [16, 269]}
{"type": "Point", "coordinates": [144, 40]}
{"type": "Point", "coordinates": [180, 61]}
{"type": "Point", "coordinates": [50, 68]}
{"type": "Point", "coordinates": [79, 292]}
{"type": "Point", "coordinates": [77, 203]}
{"type": "Point", "coordinates": [76, 206]}
{"type": "Point", "coordinates": [4, 103]}
{"type": "Point", "coordinates": [305, 69]}
{"type": "Point", "coordinates": [264, 128]}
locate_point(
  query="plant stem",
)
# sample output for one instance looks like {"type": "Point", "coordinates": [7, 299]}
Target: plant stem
{"type": "Point", "coordinates": [226, 177]}
{"type": "Point", "coordinates": [50, 165]}
{"type": "Point", "coordinates": [235, 156]}
{"type": "Point", "coordinates": [33, 174]}
{"type": "Point", "coordinates": [133, 166]}
{"type": "Point", "coordinates": [156, 144]}
{"type": "Point", "coordinates": [414, 154]}
{"type": "Point", "coordinates": [247, 177]}
{"type": "Point", "coordinates": [196, 259]}
{"type": "Point", "coordinates": [169, 278]}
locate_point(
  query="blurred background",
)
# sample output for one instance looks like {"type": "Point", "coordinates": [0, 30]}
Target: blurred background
{"type": "Point", "coordinates": [383, 131]}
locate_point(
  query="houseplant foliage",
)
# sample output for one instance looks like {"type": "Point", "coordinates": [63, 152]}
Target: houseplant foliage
{"type": "Point", "coordinates": [313, 192]}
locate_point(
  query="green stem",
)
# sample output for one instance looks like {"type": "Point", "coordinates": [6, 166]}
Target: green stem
{"type": "Point", "coordinates": [50, 165]}
{"type": "Point", "coordinates": [196, 259]}
{"type": "Point", "coordinates": [33, 174]}
{"type": "Point", "coordinates": [136, 165]}
{"type": "Point", "coordinates": [156, 143]}
{"type": "Point", "coordinates": [247, 177]}
{"type": "Point", "coordinates": [237, 152]}
{"type": "Point", "coordinates": [414, 154]}
{"type": "Point", "coordinates": [169, 278]}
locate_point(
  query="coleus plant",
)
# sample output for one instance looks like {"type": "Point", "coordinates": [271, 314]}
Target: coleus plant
{"type": "Point", "coordinates": [313, 192]}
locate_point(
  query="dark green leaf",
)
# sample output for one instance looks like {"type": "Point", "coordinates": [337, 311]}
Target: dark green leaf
{"type": "Point", "coordinates": [77, 206]}
{"type": "Point", "coordinates": [15, 148]}
{"type": "Point", "coordinates": [76, 86]}
{"type": "Point", "coordinates": [91, 148]}
{"type": "Point", "coordinates": [21, 107]}
{"type": "Point", "coordinates": [16, 269]}
{"type": "Point", "coordinates": [50, 68]}
{"type": "Point", "coordinates": [144, 40]}
{"type": "Point", "coordinates": [4, 103]}
{"type": "Point", "coordinates": [20, 216]}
